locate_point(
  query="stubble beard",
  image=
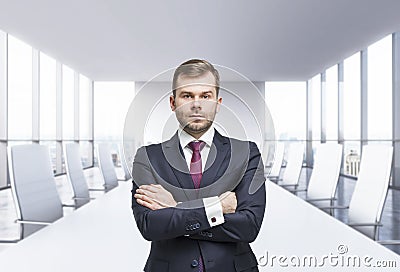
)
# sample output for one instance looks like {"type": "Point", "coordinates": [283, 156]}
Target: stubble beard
{"type": "Point", "coordinates": [194, 128]}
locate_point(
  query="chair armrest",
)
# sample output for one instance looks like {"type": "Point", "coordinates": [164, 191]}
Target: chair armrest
{"type": "Point", "coordinates": [9, 241]}
{"type": "Point", "coordinates": [364, 224]}
{"type": "Point", "coordinates": [30, 222]}
{"type": "Point", "coordinates": [334, 207]}
{"type": "Point", "coordinates": [273, 178]}
{"type": "Point", "coordinates": [97, 190]}
{"type": "Point", "coordinates": [83, 198]}
{"type": "Point", "coordinates": [298, 190]}
{"type": "Point", "coordinates": [69, 206]}
{"type": "Point", "coordinates": [389, 242]}
{"type": "Point", "coordinates": [288, 185]}
{"type": "Point", "coordinates": [108, 188]}
{"type": "Point", "coordinates": [320, 199]}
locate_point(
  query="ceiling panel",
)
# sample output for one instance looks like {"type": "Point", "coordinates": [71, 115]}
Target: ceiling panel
{"type": "Point", "coordinates": [136, 40]}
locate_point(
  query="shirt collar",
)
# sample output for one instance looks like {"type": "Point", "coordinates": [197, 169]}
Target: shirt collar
{"type": "Point", "coordinates": [185, 138]}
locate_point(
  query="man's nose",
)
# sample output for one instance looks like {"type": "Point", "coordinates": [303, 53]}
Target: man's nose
{"type": "Point", "coordinates": [196, 102]}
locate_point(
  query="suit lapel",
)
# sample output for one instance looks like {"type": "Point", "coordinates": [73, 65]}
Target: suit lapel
{"type": "Point", "coordinates": [218, 153]}
{"type": "Point", "coordinates": [174, 155]}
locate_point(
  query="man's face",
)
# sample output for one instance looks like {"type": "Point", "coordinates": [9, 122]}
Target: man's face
{"type": "Point", "coordinates": [196, 103]}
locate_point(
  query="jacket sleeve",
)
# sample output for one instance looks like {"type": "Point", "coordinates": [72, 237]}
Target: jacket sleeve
{"type": "Point", "coordinates": [243, 225]}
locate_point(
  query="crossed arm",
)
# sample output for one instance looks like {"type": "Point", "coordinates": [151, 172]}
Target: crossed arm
{"type": "Point", "coordinates": [155, 197]}
{"type": "Point", "coordinates": [158, 218]}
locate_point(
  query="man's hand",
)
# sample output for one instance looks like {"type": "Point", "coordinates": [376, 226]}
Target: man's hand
{"type": "Point", "coordinates": [154, 197]}
{"type": "Point", "coordinates": [228, 202]}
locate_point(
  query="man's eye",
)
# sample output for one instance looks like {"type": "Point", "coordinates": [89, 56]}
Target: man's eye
{"type": "Point", "coordinates": [186, 96]}
{"type": "Point", "coordinates": [206, 96]}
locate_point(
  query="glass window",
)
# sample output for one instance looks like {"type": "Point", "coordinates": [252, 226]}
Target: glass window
{"type": "Point", "coordinates": [380, 89]}
{"type": "Point", "coordinates": [53, 152]}
{"type": "Point", "coordinates": [64, 143]}
{"type": "Point", "coordinates": [47, 98]}
{"type": "Point", "coordinates": [86, 149]}
{"type": "Point", "coordinates": [287, 104]}
{"type": "Point", "coordinates": [85, 108]}
{"type": "Point", "coordinates": [316, 107]}
{"type": "Point", "coordinates": [331, 103]}
{"type": "Point", "coordinates": [3, 164]}
{"type": "Point", "coordinates": [3, 85]}
{"type": "Point", "coordinates": [352, 98]}
{"type": "Point", "coordinates": [68, 110]}
{"type": "Point", "coordinates": [19, 90]}
{"type": "Point", "coordinates": [3, 109]}
{"type": "Point", "coordinates": [111, 103]}
{"type": "Point", "coordinates": [352, 115]}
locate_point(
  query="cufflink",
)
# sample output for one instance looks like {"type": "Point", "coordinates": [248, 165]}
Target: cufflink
{"type": "Point", "coordinates": [213, 219]}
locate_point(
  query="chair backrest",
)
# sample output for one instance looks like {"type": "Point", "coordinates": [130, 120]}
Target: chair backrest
{"type": "Point", "coordinates": [294, 164]}
{"type": "Point", "coordinates": [33, 186]}
{"type": "Point", "coordinates": [369, 194]}
{"type": "Point", "coordinates": [278, 158]}
{"type": "Point", "coordinates": [127, 174]}
{"type": "Point", "coordinates": [106, 166]}
{"type": "Point", "coordinates": [75, 174]}
{"type": "Point", "coordinates": [325, 174]}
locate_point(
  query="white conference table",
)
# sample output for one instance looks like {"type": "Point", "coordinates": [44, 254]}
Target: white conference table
{"type": "Point", "coordinates": [102, 236]}
{"type": "Point", "coordinates": [295, 230]}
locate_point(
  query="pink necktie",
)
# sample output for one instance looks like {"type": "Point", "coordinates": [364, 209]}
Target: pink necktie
{"type": "Point", "coordinates": [195, 163]}
{"type": "Point", "coordinates": [196, 173]}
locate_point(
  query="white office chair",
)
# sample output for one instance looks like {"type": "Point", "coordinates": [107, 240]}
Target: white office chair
{"type": "Point", "coordinates": [76, 176]}
{"type": "Point", "coordinates": [106, 166]}
{"type": "Point", "coordinates": [293, 167]}
{"type": "Point", "coordinates": [33, 187]}
{"type": "Point", "coordinates": [278, 158]}
{"type": "Point", "coordinates": [368, 199]}
{"type": "Point", "coordinates": [127, 174]}
{"type": "Point", "coordinates": [325, 174]}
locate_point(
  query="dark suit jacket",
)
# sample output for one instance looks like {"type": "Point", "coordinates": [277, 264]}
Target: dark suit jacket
{"type": "Point", "coordinates": [179, 235]}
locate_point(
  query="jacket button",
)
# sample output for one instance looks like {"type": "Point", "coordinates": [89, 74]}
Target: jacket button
{"type": "Point", "coordinates": [195, 263]}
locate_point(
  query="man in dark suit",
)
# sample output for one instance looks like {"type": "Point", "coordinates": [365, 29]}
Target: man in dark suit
{"type": "Point", "coordinates": [200, 196]}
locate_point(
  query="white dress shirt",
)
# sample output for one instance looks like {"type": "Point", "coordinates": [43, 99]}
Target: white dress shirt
{"type": "Point", "coordinates": [185, 138]}
{"type": "Point", "coordinates": [212, 205]}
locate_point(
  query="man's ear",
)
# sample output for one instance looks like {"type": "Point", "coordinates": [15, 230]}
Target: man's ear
{"type": "Point", "coordinates": [172, 102]}
{"type": "Point", "coordinates": [219, 102]}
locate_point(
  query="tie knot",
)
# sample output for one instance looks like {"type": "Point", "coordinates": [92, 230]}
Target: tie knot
{"type": "Point", "coordinates": [196, 146]}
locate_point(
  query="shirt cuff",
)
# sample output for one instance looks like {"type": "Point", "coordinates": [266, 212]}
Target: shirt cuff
{"type": "Point", "coordinates": [213, 208]}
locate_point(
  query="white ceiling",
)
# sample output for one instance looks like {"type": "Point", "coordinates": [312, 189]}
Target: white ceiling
{"type": "Point", "coordinates": [135, 40]}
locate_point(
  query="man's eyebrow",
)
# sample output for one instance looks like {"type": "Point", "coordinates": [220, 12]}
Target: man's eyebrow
{"type": "Point", "coordinates": [191, 93]}
{"type": "Point", "coordinates": [185, 92]}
